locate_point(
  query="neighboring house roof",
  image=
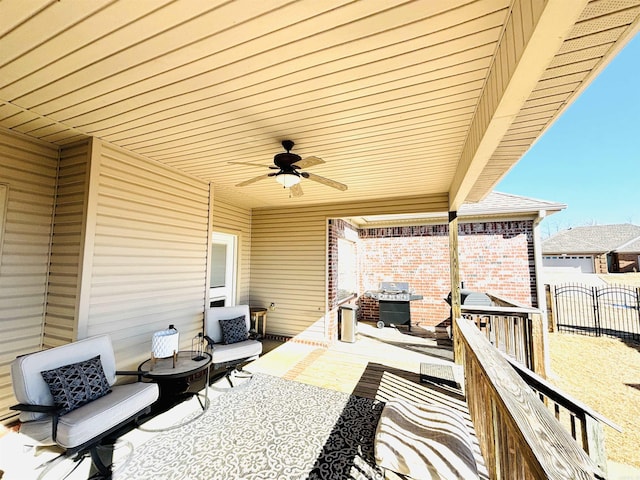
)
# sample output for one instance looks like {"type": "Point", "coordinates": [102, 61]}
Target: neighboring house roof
{"type": "Point", "coordinates": [495, 205]}
{"type": "Point", "coordinates": [592, 239]}
{"type": "Point", "coordinates": [630, 247]}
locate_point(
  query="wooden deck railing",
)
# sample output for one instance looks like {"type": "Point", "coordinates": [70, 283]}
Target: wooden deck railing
{"type": "Point", "coordinates": [583, 423]}
{"type": "Point", "coordinates": [519, 437]}
{"type": "Point", "coordinates": [514, 330]}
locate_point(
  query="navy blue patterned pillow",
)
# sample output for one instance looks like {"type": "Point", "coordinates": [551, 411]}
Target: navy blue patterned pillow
{"type": "Point", "coordinates": [76, 384]}
{"type": "Point", "coordinates": [234, 330]}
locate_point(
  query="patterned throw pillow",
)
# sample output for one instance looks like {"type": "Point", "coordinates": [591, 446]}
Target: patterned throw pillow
{"type": "Point", "coordinates": [76, 384]}
{"type": "Point", "coordinates": [234, 330]}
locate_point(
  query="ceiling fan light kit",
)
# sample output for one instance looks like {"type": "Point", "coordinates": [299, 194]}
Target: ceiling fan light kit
{"type": "Point", "coordinates": [289, 174]}
{"type": "Point", "coordinates": [287, 180]}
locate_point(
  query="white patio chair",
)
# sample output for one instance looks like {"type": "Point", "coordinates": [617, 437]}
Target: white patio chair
{"type": "Point", "coordinates": [230, 350]}
{"type": "Point", "coordinates": [79, 404]}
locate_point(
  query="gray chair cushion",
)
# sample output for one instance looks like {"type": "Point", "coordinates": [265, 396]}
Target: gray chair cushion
{"type": "Point", "coordinates": [30, 388]}
{"type": "Point", "coordinates": [213, 315]}
{"type": "Point", "coordinates": [85, 424]}
{"type": "Point", "coordinates": [82, 424]}
{"type": "Point", "coordinates": [235, 351]}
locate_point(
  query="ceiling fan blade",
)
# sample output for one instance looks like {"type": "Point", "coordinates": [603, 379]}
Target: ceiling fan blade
{"type": "Point", "coordinates": [309, 162]}
{"type": "Point", "coordinates": [296, 190]}
{"type": "Point", "coordinates": [326, 181]}
{"type": "Point", "coordinates": [253, 180]}
{"type": "Point", "coordinates": [250, 164]}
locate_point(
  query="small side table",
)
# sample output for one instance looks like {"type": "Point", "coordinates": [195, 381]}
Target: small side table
{"type": "Point", "coordinates": [256, 315]}
{"type": "Point", "coordinates": [178, 381]}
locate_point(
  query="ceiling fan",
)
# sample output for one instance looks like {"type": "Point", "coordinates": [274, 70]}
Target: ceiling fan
{"type": "Point", "coordinates": [289, 171]}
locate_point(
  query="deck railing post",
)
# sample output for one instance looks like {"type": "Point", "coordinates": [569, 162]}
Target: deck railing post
{"type": "Point", "coordinates": [454, 271]}
{"type": "Point", "coordinates": [537, 346]}
{"type": "Point", "coordinates": [593, 441]}
{"type": "Point", "coordinates": [550, 309]}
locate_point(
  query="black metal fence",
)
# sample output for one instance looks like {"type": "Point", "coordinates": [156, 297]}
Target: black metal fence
{"type": "Point", "coordinates": [610, 310]}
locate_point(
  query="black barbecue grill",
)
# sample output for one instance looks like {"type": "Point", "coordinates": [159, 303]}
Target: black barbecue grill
{"type": "Point", "coordinates": [393, 299]}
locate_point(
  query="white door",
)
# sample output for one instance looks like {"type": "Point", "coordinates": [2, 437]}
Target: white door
{"type": "Point", "coordinates": [568, 263]}
{"type": "Point", "coordinates": [222, 283]}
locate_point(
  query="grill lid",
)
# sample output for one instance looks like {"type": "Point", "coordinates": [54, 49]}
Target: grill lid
{"type": "Point", "coordinates": [394, 287]}
{"type": "Point", "coordinates": [469, 297]}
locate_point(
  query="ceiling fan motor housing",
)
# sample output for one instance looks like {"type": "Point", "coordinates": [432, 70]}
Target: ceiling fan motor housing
{"type": "Point", "coordinates": [286, 159]}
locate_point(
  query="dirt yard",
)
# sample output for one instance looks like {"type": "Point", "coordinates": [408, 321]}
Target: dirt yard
{"type": "Point", "coordinates": [604, 373]}
{"type": "Point", "coordinates": [631, 279]}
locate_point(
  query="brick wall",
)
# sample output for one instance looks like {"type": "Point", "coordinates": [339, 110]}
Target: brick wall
{"type": "Point", "coordinates": [600, 263]}
{"type": "Point", "coordinates": [495, 257]}
{"type": "Point", "coordinates": [336, 230]}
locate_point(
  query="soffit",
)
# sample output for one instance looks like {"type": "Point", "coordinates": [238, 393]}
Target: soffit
{"type": "Point", "coordinates": [384, 91]}
{"type": "Point", "coordinates": [602, 29]}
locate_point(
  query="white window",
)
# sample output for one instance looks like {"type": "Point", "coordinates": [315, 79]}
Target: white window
{"type": "Point", "coordinates": [222, 283]}
{"type": "Point", "coordinates": [347, 268]}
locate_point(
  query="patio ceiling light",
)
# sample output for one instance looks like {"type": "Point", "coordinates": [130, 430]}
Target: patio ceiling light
{"type": "Point", "coordinates": [287, 179]}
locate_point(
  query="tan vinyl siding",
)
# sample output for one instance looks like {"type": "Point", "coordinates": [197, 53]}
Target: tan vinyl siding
{"type": "Point", "coordinates": [288, 259]}
{"type": "Point", "coordinates": [28, 170]}
{"type": "Point", "coordinates": [60, 325]}
{"type": "Point", "coordinates": [229, 218]}
{"type": "Point", "coordinates": [148, 239]}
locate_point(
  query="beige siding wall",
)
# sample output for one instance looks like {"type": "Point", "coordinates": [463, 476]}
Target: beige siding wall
{"type": "Point", "coordinates": [289, 260]}
{"type": "Point", "coordinates": [145, 253]}
{"type": "Point", "coordinates": [229, 218]}
{"type": "Point", "coordinates": [68, 226]}
{"type": "Point", "coordinates": [28, 171]}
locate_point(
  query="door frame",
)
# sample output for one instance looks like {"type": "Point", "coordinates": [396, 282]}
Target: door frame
{"type": "Point", "coordinates": [229, 291]}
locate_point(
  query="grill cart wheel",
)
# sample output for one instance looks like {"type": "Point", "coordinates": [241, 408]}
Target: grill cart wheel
{"type": "Point", "coordinates": [380, 324]}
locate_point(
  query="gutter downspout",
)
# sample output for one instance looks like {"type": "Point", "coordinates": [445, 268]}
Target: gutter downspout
{"type": "Point", "coordinates": [540, 291]}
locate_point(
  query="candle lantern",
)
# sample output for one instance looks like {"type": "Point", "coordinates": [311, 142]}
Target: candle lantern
{"type": "Point", "coordinates": [197, 347]}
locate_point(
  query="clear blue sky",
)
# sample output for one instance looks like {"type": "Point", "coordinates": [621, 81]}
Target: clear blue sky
{"type": "Point", "coordinates": [589, 158]}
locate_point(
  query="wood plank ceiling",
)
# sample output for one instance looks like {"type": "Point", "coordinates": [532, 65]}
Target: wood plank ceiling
{"type": "Point", "coordinates": [384, 91]}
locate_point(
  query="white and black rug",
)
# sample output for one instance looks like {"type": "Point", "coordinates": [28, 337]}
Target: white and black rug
{"type": "Point", "coordinates": [270, 428]}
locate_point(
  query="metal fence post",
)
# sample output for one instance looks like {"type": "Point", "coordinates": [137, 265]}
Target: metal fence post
{"type": "Point", "coordinates": [638, 312]}
{"type": "Point", "coordinates": [596, 311]}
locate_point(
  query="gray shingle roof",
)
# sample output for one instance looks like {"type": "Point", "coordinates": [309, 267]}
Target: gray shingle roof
{"type": "Point", "coordinates": [592, 239]}
{"type": "Point", "coordinates": [630, 247]}
{"type": "Point", "coordinates": [501, 203]}
{"type": "Point", "coordinates": [495, 205]}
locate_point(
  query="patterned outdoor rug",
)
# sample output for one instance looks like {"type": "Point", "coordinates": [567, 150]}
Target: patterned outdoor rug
{"type": "Point", "coordinates": [270, 428]}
